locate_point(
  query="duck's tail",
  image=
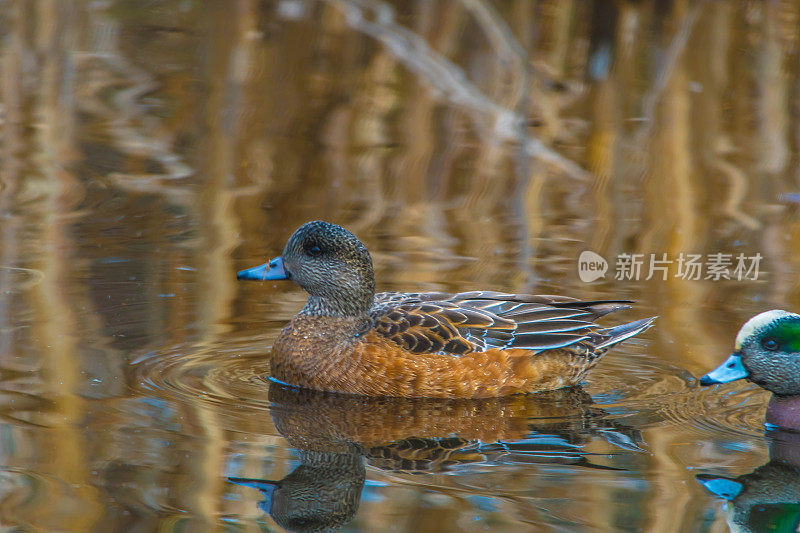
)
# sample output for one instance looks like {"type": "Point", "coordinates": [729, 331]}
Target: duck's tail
{"type": "Point", "coordinates": [606, 338]}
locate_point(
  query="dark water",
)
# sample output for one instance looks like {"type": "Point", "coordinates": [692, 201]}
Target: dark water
{"type": "Point", "coordinates": [149, 150]}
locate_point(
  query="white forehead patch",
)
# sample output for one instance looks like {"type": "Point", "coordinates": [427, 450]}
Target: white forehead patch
{"type": "Point", "coordinates": [758, 322]}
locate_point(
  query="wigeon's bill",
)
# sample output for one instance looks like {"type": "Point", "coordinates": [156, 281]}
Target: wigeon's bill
{"type": "Point", "coordinates": [273, 270]}
{"type": "Point", "coordinates": [731, 370]}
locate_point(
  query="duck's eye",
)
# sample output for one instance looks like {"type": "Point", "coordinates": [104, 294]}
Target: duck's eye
{"type": "Point", "coordinates": [314, 251]}
{"type": "Point", "coordinates": [769, 344]}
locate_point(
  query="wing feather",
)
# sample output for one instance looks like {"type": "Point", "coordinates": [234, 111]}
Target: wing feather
{"type": "Point", "coordinates": [476, 321]}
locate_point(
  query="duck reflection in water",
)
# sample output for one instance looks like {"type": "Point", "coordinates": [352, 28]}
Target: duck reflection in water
{"type": "Point", "coordinates": [337, 436]}
{"type": "Point", "coordinates": [768, 498]}
{"type": "Point", "coordinates": [322, 493]}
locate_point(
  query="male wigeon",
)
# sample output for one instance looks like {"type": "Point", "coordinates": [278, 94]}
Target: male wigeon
{"type": "Point", "coordinates": [767, 353]}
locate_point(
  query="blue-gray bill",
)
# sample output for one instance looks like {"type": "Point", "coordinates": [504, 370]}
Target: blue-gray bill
{"type": "Point", "coordinates": [272, 270]}
{"type": "Point", "coordinates": [731, 370]}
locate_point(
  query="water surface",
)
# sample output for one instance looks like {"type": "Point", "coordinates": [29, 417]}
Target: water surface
{"type": "Point", "coordinates": [148, 151]}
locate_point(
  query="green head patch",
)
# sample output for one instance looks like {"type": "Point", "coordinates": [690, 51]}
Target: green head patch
{"type": "Point", "coordinates": [785, 333]}
{"type": "Point", "coordinates": [782, 326]}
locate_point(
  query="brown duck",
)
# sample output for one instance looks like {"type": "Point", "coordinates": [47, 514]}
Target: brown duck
{"type": "Point", "coordinates": [478, 344]}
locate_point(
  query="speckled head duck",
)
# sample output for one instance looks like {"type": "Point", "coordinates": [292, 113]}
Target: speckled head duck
{"type": "Point", "coordinates": [767, 353]}
{"type": "Point", "coordinates": [467, 345]}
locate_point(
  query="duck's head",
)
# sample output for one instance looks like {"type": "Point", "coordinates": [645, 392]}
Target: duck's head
{"type": "Point", "coordinates": [330, 263]}
{"type": "Point", "coordinates": [767, 352]}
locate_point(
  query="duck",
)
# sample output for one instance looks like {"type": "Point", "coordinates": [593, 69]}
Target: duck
{"type": "Point", "coordinates": [349, 339]}
{"type": "Point", "coordinates": [767, 353]}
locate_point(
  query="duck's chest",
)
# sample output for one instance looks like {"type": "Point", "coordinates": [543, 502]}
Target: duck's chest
{"type": "Point", "coordinates": [310, 347]}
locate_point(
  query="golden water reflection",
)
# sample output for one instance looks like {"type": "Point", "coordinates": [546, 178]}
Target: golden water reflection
{"type": "Point", "coordinates": [149, 151]}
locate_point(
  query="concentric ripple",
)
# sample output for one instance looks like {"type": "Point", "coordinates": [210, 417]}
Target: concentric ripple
{"type": "Point", "coordinates": [647, 387]}
{"type": "Point", "coordinates": [735, 411]}
{"type": "Point", "coordinates": [232, 374]}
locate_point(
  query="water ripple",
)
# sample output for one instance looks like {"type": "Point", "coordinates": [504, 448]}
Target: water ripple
{"type": "Point", "coordinates": [233, 374]}
{"type": "Point", "coordinates": [735, 412]}
{"type": "Point", "coordinates": [16, 279]}
{"type": "Point", "coordinates": [658, 392]}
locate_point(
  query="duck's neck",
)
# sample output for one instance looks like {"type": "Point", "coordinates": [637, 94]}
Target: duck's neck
{"type": "Point", "coordinates": [351, 306]}
{"type": "Point", "coordinates": [784, 411]}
